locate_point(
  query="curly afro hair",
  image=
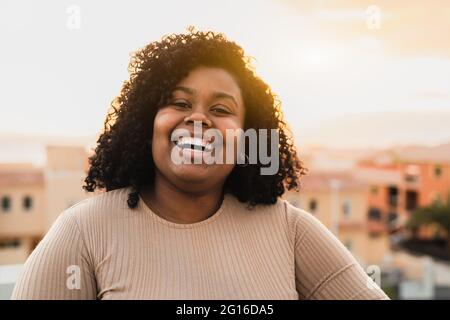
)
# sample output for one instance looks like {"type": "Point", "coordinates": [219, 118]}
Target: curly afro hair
{"type": "Point", "coordinates": [123, 156]}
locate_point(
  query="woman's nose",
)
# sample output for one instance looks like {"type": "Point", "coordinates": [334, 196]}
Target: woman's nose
{"type": "Point", "coordinates": [198, 116]}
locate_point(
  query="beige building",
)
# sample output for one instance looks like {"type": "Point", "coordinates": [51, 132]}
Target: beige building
{"type": "Point", "coordinates": [339, 201]}
{"type": "Point", "coordinates": [32, 197]}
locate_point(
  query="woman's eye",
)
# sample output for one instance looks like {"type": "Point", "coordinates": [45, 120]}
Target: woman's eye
{"type": "Point", "coordinates": [221, 110]}
{"type": "Point", "coordinates": [180, 104]}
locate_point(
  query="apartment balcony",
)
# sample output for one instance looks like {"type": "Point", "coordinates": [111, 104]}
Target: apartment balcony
{"type": "Point", "coordinates": [375, 227]}
{"type": "Point", "coordinates": [375, 223]}
{"type": "Point", "coordinates": [411, 177]}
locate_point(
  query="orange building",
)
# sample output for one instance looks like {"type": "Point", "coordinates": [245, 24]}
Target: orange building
{"type": "Point", "coordinates": [404, 180]}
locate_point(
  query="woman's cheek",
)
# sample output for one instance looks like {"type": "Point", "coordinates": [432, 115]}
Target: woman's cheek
{"type": "Point", "coordinates": [164, 123]}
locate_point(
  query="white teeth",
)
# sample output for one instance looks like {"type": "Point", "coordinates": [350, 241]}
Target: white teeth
{"type": "Point", "coordinates": [195, 143]}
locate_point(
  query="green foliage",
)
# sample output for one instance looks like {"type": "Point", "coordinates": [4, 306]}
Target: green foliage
{"type": "Point", "coordinates": [436, 213]}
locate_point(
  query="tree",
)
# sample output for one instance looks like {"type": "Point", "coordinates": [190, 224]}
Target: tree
{"type": "Point", "coordinates": [436, 213]}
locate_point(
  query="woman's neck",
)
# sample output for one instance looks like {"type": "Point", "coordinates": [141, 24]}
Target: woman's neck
{"type": "Point", "coordinates": [179, 206]}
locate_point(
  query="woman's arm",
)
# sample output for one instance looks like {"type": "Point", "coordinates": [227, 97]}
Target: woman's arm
{"type": "Point", "coordinates": [324, 268]}
{"type": "Point", "coordinates": [59, 267]}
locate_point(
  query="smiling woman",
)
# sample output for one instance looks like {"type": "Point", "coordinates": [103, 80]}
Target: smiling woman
{"type": "Point", "coordinates": [173, 83]}
{"type": "Point", "coordinates": [212, 97]}
{"type": "Point", "coordinates": [166, 230]}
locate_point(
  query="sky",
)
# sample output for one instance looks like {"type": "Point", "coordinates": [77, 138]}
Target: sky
{"type": "Point", "coordinates": [63, 62]}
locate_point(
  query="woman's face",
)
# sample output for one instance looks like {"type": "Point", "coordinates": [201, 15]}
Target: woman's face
{"type": "Point", "coordinates": [212, 98]}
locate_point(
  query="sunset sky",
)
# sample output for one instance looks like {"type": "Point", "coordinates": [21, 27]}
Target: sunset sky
{"type": "Point", "coordinates": [327, 60]}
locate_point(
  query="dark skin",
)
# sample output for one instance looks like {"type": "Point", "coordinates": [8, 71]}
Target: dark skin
{"type": "Point", "coordinates": [190, 193]}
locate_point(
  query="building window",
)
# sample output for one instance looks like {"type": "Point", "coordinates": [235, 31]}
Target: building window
{"type": "Point", "coordinates": [411, 200]}
{"type": "Point", "coordinates": [313, 205]}
{"type": "Point", "coordinates": [6, 203]}
{"type": "Point", "coordinates": [411, 178]}
{"type": "Point", "coordinates": [437, 171]}
{"type": "Point", "coordinates": [374, 235]}
{"type": "Point", "coordinates": [27, 203]}
{"type": "Point", "coordinates": [346, 208]}
{"type": "Point", "coordinates": [374, 190]}
{"type": "Point", "coordinates": [412, 173]}
{"type": "Point", "coordinates": [12, 243]}
{"type": "Point", "coordinates": [374, 214]}
{"type": "Point", "coordinates": [392, 196]}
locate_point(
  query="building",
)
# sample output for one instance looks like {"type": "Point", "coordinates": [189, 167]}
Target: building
{"type": "Point", "coordinates": [402, 180]}
{"type": "Point", "coordinates": [32, 197]}
{"type": "Point", "coordinates": [339, 201]}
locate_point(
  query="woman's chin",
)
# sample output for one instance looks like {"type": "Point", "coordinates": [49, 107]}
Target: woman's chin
{"type": "Point", "coordinates": [192, 172]}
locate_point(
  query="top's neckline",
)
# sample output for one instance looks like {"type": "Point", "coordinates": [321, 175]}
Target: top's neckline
{"type": "Point", "coordinates": [172, 224]}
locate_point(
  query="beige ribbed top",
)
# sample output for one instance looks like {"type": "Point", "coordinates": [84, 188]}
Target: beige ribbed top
{"type": "Point", "coordinates": [101, 249]}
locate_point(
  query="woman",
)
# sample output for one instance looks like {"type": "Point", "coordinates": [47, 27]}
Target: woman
{"type": "Point", "coordinates": [165, 230]}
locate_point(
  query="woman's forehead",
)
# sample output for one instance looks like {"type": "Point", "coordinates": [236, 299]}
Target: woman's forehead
{"type": "Point", "coordinates": [210, 79]}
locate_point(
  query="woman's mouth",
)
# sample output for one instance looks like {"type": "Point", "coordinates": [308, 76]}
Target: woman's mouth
{"type": "Point", "coordinates": [193, 150]}
{"type": "Point", "coordinates": [193, 143]}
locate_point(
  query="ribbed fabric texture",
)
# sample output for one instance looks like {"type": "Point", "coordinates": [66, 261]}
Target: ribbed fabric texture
{"type": "Point", "coordinates": [101, 249]}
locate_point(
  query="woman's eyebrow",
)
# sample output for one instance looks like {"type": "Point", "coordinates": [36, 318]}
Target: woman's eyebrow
{"type": "Point", "coordinates": [225, 95]}
{"type": "Point", "coordinates": [184, 89]}
{"type": "Point", "coordinates": [216, 94]}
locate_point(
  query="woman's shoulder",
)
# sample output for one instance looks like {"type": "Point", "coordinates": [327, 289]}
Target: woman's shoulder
{"type": "Point", "coordinates": [103, 205]}
{"type": "Point", "coordinates": [297, 219]}
{"type": "Point", "coordinates": [305, 227]}
{"type": "Point", "coordinates": [300, 222]}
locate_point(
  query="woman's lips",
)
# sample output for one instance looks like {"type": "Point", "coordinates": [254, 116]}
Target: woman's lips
{"type": "Point", "coordinates": [196, 144]}
{"type": "Point", "coordinates": [196, 150]}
